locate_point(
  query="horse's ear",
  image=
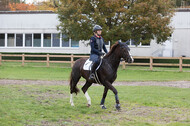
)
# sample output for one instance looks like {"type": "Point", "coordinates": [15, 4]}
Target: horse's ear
{"type": "Point", "coordinates": [119, 42]}
{"type": "Point", "coordinates": [127, 42]}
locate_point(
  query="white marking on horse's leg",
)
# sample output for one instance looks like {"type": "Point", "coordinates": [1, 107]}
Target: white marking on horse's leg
{"type": "Point", "coordinates": [71, 100]}
{"type": "Point", "coordinates": [88, 98]}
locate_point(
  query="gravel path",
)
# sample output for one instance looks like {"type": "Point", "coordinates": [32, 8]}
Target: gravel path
{"type": "Point", "coordinates": [178, 84]}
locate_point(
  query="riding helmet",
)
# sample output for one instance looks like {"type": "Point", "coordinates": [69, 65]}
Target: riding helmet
{"type": "Point", "coordinates": [96, 28]}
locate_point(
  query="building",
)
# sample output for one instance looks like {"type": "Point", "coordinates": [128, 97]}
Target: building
{"type": "Point", "coordinates": [36, 32]}
{"type": "Point", "coordinates": [179, 43]}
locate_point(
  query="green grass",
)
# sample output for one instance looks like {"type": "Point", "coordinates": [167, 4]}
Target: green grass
{"type": "Point", "coordinates": [49, 105]}
{"type": "Point", "coordinates": [34, 73]}
{"type": "Point", "coordinates": [46, 104]}
{"type": "Point", "coordinates": [59, 72]}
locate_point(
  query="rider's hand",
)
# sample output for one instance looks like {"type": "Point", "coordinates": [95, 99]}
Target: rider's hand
{"type": "Point", "coordinates": [101, 53]}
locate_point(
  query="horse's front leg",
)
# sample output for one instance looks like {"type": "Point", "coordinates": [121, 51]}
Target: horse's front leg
{"type": "Point", "coordinates": [103, 98]}
{"type": "Point", "coordinates": [111, 87]}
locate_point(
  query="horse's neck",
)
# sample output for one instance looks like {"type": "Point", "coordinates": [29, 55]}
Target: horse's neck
{"type": "Point", "coordinates": [114, 61]}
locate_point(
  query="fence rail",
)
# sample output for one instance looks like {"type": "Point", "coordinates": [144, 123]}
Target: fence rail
{"type": "Point", "coordinates": [151, 63]}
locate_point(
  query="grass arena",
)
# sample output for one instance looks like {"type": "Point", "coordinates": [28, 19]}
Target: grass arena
{"type": "Point", "coordinates": [40, 96]}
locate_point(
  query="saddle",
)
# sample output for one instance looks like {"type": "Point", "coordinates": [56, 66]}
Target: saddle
{"type": "Point", "coordinates": [88, 66]}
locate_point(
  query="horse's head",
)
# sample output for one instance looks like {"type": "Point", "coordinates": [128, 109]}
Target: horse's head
{"type": "Point", "coordinates": [125, 52]}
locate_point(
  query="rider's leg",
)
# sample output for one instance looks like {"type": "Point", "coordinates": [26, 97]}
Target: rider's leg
{"type": "Point", "coordinates": [96, 59]}
{"type": "Point", "coordinates": [92, 72]}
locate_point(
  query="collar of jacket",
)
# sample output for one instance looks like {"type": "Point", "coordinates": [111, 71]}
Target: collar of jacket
{"type": "Point", "coordinates": [97, 36]}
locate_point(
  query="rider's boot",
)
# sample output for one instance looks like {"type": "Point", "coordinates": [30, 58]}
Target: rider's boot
{"type": "Point", "coordinates": [92, 72]}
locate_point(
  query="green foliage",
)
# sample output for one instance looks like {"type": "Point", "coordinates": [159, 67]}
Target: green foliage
{"type": "Point", "coordinates": [140, 20]}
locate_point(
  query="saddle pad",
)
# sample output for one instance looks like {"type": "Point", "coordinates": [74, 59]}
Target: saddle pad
{"type": "Point", "coordinates": [87, 65]}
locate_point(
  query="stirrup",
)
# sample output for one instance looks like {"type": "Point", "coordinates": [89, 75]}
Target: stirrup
{"type": "Point", "coordinates": [92, 76]}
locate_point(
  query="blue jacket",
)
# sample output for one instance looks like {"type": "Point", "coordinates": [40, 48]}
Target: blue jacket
{"type": "Point", "coordinates": [97, 44]}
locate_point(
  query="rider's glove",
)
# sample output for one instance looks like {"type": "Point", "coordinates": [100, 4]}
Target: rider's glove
{"type": "Point", "coordinates": [101, 53]}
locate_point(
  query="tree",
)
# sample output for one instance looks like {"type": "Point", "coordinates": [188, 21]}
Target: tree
{"type": "Point", "coordinates": [38, 6]}
{"type": "Point", "coordinates": [21, 6]}
{"type": "Point", "coordinates": [140, 20]}
{"type": "Point", "coordinates": [46, 6]}
{"type": "Point", "coordinates": [4, 5]}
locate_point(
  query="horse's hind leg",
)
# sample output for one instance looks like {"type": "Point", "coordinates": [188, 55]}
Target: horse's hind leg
{"type": "Point", "coordinates": [84, 89]}
{"type": "Point", "coordinates": [73, 86]}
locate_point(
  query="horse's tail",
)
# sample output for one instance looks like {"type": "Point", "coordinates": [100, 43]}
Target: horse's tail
{"type": "Point", "coordinates": [73, 84]}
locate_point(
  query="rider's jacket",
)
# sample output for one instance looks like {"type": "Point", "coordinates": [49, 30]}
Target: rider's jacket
{"type": "Point", "coordinates": [97, 44]}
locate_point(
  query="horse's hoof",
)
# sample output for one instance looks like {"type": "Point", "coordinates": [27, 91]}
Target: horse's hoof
{"type": "Point", "coordinates": [118, 107]}
{"type": "Point", "coordinates": [103, 107]}
{"type": "Point", "coordinates": [88, 105]}
{"type": "Point", "coordinates": [72, 104]}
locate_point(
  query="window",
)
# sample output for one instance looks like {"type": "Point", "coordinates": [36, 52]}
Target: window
{"type": "Point", "coordinates": [2, 40]}
{"type": "Point", "coordinates": [37, 40]}
{"type": "Point", "coordinates": [28, 40]}
{"type": "Point", "coordinates": [56, 40]}
{"type": "Point", "coordinates": [19, 39]}
{"type": "Point", "coordinates": [74, 43]}
{"type": "Point", "coordinates": [133, 43]}
{"type": "Point", "coordinates": [10, 40]}
{"type": "Point", "coordinates": [145, 44]}
{"type": "Point", "coordinates": [65, 43]}
{"type": "Point", "coordinates": [47, 40]}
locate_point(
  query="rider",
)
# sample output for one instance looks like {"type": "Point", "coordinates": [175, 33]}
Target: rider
{"type": "Point", "coordinates": [96, 44]}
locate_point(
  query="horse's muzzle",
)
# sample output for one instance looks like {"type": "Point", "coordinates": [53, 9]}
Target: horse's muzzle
{"type": "Point", "coordinates": [130, 60]}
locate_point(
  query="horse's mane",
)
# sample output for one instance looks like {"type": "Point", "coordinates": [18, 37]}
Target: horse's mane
{"type": "Point", "coordinates": [113, 47]}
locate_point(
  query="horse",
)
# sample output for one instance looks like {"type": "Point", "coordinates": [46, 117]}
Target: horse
{"type": "Point", "coordinates": [107, 73]}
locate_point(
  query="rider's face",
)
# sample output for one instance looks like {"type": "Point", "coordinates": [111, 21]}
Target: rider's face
{"type": "Point", "coordinates": [99, 32]}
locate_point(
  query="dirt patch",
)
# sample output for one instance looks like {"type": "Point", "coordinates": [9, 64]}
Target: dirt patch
{"type": "Point", "coordinates": [178, 84]}
{"type": "Point", "coordinates": [47, 97]}
{"type": "Point", "coordinates": [152, 114]}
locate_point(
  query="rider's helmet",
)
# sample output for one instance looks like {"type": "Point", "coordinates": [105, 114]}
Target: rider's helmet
{"type": "Point", "coordinates": [96, 28]}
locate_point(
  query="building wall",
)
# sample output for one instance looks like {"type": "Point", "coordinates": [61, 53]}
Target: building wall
{"type": "Point", "coordinates": [181, 34]}
{"type": "Point", "coordinates": [28, 22]}
{"type": "Point", "coordinates": [179, 43]}
{"type": "Point", "coordinates": [40, 22]}
{"type": "Point", "coordinates": [45, 22]}
{"type": "Point", "coordinates": [152, 50]}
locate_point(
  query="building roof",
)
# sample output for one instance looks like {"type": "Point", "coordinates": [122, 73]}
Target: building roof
{"type": "Point", "coordinates": [27, 12]}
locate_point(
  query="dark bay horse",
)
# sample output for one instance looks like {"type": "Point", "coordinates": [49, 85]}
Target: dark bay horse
{"type": "Point", "coordinates": [107, 73]}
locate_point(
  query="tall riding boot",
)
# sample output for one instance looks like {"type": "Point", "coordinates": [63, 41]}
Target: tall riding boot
{"type": "Point", "coordinates": [92, 72]}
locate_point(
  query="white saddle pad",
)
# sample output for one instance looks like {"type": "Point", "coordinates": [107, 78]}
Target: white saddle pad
{"type": "Point", "coordinates": [87, 65]}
